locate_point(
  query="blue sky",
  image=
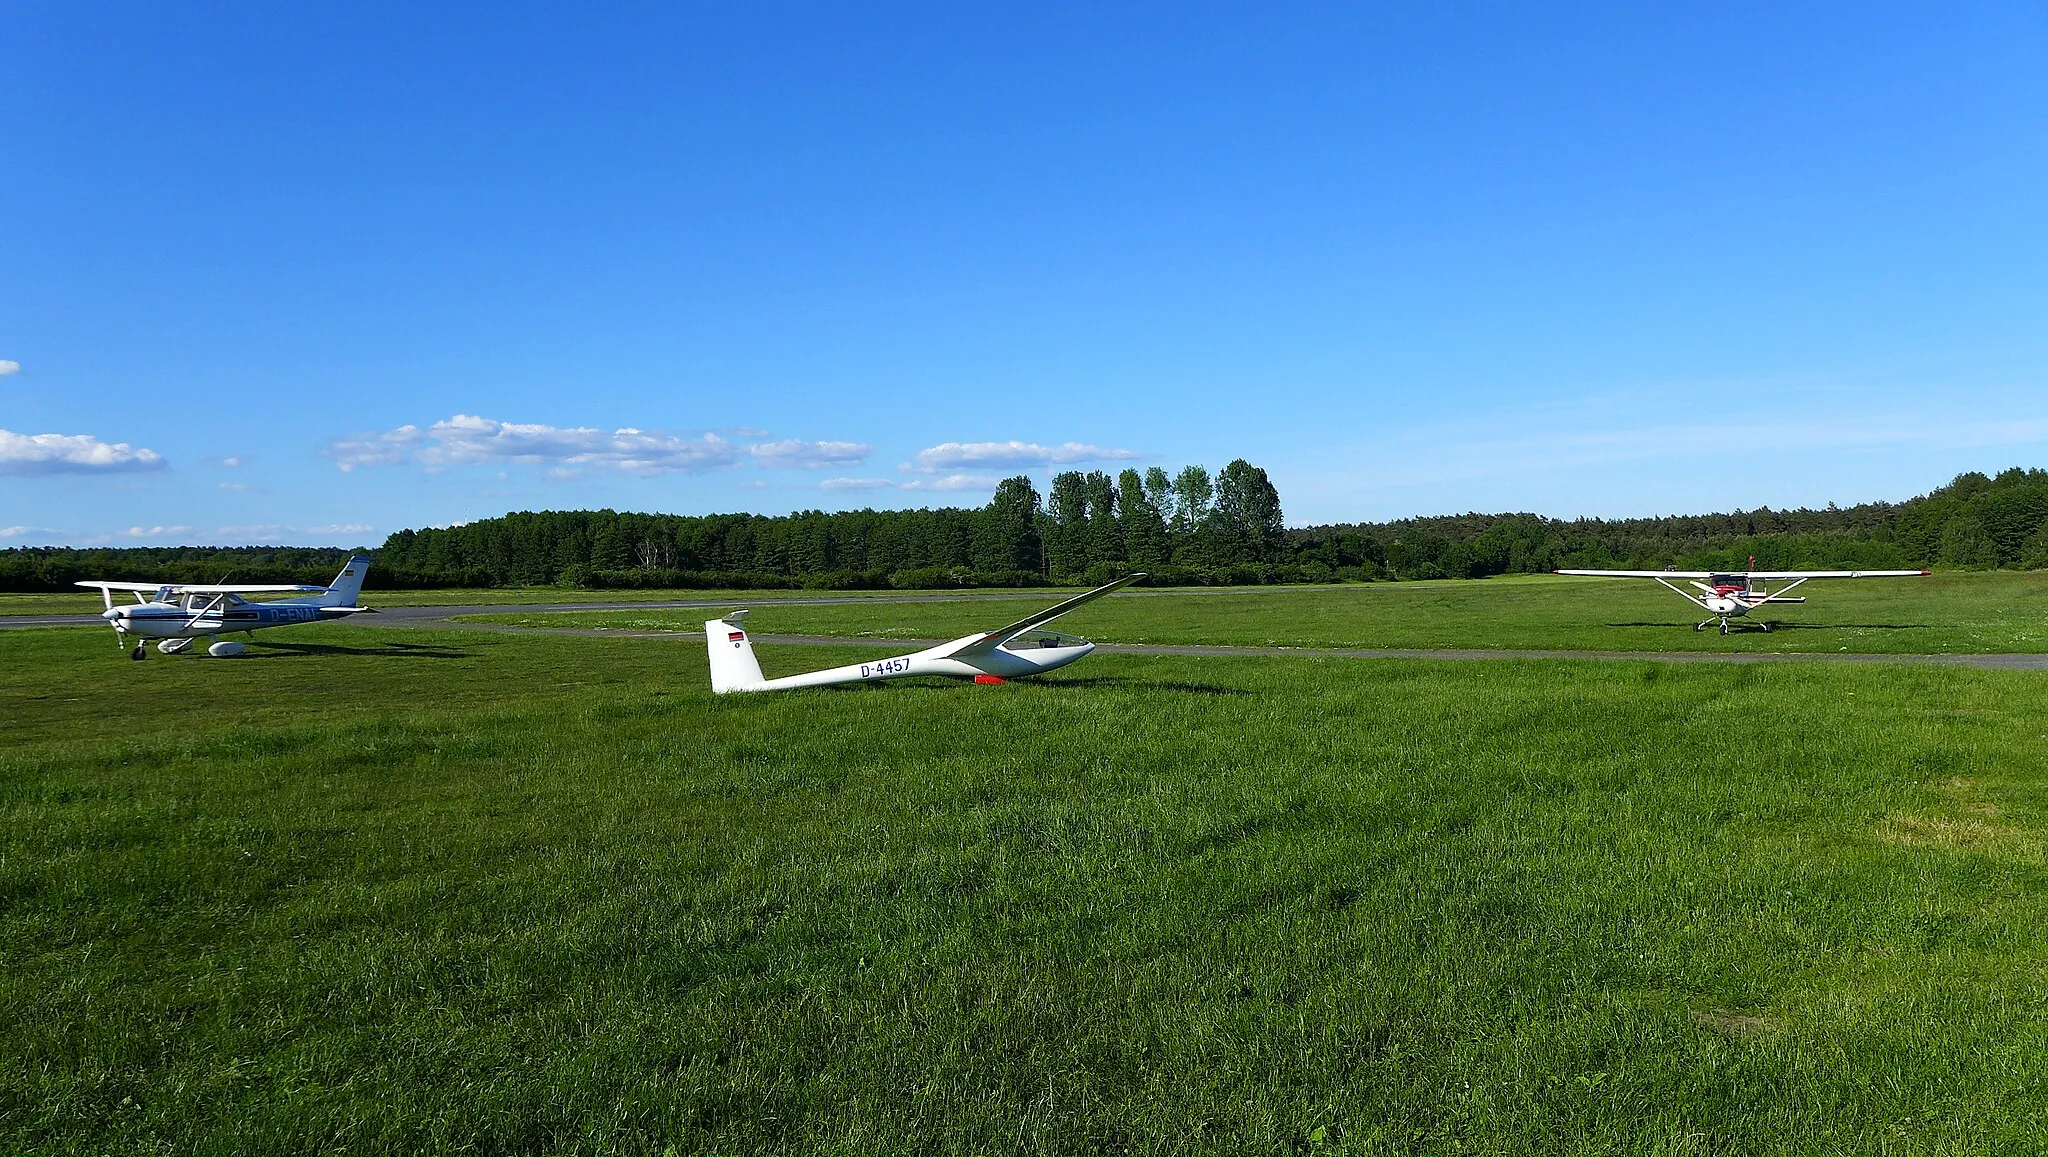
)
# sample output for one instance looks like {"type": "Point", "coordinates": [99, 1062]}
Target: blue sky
{"type": "Point", "coordinates": [283, 273]}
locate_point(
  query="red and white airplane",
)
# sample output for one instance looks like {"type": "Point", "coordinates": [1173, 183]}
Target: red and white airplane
{"type": "Point", "coordinates": [1728, 595]}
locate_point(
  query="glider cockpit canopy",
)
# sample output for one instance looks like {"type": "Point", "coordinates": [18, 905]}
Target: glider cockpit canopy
{"type": "Point", "coordinates": [1039, 638]}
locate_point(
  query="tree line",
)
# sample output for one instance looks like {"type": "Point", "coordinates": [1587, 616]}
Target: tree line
{"type": "Point", "coordinates": [1190, 527]}
{"type": "Point", "coordinates": [1976, 522]}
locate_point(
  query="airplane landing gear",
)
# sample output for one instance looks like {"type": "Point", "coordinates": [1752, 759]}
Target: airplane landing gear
{"type": "Point", "coordinates": [1724, 626]}
{"type": "Point", "coordinates": [140, 652]}
{"type": "Point", "coordinates": [1766, 627]}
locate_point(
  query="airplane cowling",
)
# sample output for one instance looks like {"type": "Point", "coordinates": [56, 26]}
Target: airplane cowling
{"type": "Point", "coordinates": [226, 650]}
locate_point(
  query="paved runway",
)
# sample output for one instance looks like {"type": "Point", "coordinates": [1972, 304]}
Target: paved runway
{"type": "Point", "coordinates": [438, 618]}
{"type": "Point", "coordinates": [389, 614]}
{"type": "Point", "coordinates": [1995, 662]}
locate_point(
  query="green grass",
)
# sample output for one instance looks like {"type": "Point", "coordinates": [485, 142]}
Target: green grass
{"type": "Point", "coordinates": [381, 890]}
{"type": "Point", "coordinates": [1976, 613]}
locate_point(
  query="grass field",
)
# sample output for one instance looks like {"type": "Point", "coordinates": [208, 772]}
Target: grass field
{"type": "Point", "coordinates": [383, 890]}
{"type": "Point", "coordinates": [1997, 612]}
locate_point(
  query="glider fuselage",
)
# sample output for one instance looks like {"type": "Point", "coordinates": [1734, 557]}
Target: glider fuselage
{"type": "Point", "coordinates": [1002, 662]}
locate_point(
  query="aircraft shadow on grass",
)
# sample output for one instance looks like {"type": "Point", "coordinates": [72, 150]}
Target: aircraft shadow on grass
{"type": "Point", "coordinates": [1124, 682]}
{"type": "Point", "coordinates": [1118, 682]}
{"type": "Point", "coordinates": [270, 650]}
{"type": "Point", "coordinates": [1782, 625]}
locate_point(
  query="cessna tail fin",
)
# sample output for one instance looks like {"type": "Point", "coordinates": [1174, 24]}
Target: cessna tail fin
{"type": "Point", "coordinates": [733, 666]}
{"type": "Point", "coordinates": [347, 585]}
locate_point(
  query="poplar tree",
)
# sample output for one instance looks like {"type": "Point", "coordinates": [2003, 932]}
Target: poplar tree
{"type": "Point", "coordinates": [1192, 495]}
{"type": "Point", "coordinates": [1006, 533]}
{"type": "Point", "coordinates": [1140, 519]}
{"type": "Point", "coordinates": [1105, 536]}
{"type": "Point", "coordinates": [1248, 513]}
{"type": "Point", "coordinates": [1066, 546]}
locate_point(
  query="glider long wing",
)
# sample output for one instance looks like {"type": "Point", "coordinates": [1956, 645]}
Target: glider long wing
{"type": "Point", "coordinates": [996, 638]}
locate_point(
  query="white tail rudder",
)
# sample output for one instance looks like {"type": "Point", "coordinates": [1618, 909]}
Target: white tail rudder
{"type": "Point", "coordinates": [348, 585]}
{"type": "Point", "coordinates": [733, 666]}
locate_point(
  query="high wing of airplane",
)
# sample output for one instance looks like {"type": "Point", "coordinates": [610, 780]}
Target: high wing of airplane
{"type": "Point", "coordinates": [1728, 595]}
{"type": "Point", "coordinates": [1024, 647]}
{"type": "Point", "coordinates": [177, 613]}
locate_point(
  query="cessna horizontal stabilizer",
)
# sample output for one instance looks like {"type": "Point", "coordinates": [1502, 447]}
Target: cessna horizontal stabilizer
{"type": "Point", "coordinates": [1024, 647]}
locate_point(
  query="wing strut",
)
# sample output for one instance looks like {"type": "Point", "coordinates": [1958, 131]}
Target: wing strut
{"type": "Point", "coordinates": [1681, 593]}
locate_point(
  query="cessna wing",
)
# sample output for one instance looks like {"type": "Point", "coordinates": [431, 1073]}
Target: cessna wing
{"type": "Point", "coordinates": [193, 588]}
{"type": "Point", "coordinates": [1819, 574]}
{"type": "Point", "coordinates": [1684, 574]}
{"type": "Point", "coordinates": [1755, 574]}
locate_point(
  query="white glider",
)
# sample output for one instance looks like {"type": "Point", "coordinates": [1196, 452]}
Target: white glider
{"type": "Point", "coordinates": [1022, 648]}
{"type": "Point", "coordinates": [1727, 595]}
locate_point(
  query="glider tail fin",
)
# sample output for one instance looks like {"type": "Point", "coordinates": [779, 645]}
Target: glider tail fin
{"type": "Point", "coordinates": [733, 666]}
{"type": "Point", "coordinates": [348, 585]}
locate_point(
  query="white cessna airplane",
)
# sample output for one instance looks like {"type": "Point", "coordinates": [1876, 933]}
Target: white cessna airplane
{"type": "Point", "coordinates": [179, 613]}
{"type": "Point", "coordinates": [1022, 648]}
{"type": "Point", "coordinates": [1728, 595]}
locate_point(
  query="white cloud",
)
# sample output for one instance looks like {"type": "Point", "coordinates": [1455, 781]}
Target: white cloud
{"type": "Point", "coordinates": [260, 532]}
{"type": "Point", "coordinates": [1004, 455]}
{"type": "Point", "coordinates": [154, 531]}
{"type": "Point", "coordinates": [855, 484]}
{"type": "Point", "coordinates": [237, 460]}
{"type": "Point", "coordinates": [810, 455]}
{"type": "Point", "coordinates": [233, 485]}
{"type": "Point", "coordinates": [9, 367]}
{"type": "Point", "coordinates": [27, 532]}
{"type": "Point", "coordinates": [35, 454]}
{"type": "Point", "coordinates": [954, 482]}
{"type": "Point", "coordinates": [468, 440]}
{"type": "Point", "coordinates": [281, 531]}
{"type": "Point", "coordinates": [388, 449]}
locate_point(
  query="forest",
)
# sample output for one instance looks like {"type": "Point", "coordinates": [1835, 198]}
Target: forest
{"type": "Point", "coordinates": [1184, 529]}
